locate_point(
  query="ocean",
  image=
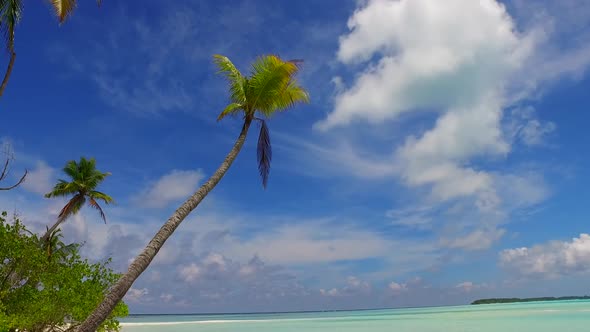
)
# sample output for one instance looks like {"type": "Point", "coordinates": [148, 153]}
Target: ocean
{"type": "Point", "coordinates": [554, 316]}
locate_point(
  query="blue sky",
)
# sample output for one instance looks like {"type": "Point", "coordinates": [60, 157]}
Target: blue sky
{"type": "Point", "coordinates": [441, 158]}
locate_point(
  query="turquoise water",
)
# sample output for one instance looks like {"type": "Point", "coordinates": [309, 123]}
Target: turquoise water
{"type": "Point", "coordinates": [557, 316]}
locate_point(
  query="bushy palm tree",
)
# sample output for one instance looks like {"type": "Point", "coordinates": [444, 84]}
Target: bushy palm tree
{"type": "Point", "coordinates": [270, 88]}
{"type": "Point", "coordinates": [84, 178]}
{"type": "Point", "coordinates": [10, 15]}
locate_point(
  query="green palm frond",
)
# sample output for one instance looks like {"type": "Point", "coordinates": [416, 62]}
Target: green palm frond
{"type": "Point", "coordinates": [232, 108]}
{"type": "Point", "coordinates": [10, 15]}
{"type": "Point", "coordinates": [237, 82]}
{"type": "Point", "coordinates": [270, 77]}
{"type": "Point", "coordinates": [289, 97]}
{"type": "Point", "coordinates": [63, 188]}
{"type": "Point", "coordinates": [102, 196]}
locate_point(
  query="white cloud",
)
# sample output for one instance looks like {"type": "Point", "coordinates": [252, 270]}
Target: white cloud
{"type": "Point", "coordinates": [136, 295]}
{"type": "Point", "coordinates": [466, 63]}
{"type": "Point", "coordinates": [169, 188]}
{"type": "Point", "coordinates": [166, 297]}
{"type": "Point", "coordinates": [469, 286]}
{"type": "Point", "coordinates": [453, 56]}
{"type": "Point", "coordinates": [456, 61]}
{"type": "Point", "coordinates": [353, 287]}
{"type": "Point", "coordinates": [526, 127]}
{"type": "Point", "coordinates": [397, 288]}
{"type": "Point", "coordinates": [215, 260]}
{"type": "Point", "coordinates": [552, 259]}
{"type": "Point", "coordinates": [189, 273]}
{"type": "Point", "coordinates": [330, 292]}
{"type": "Point", "coordinates": [40, 180]}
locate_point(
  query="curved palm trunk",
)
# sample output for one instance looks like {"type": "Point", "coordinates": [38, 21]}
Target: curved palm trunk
{"type": "Point", "coordinates": [143, 260]}
{"type": "Point", "coordinates": [7, 75]}
{"type": "Point", "coordinates": [51, 229]}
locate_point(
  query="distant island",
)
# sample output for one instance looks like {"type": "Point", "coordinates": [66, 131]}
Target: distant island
{"type": "Point", "coordinates": [532, 299]}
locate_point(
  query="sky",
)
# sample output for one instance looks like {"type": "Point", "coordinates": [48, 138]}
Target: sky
{"type": "Point", "coordinates": [442, 157]}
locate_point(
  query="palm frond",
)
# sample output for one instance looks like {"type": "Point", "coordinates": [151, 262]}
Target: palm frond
{"type": "Point", "coordinates": [237, 82]}
{"type": "Point", "coordinates": [270, 77]}
{"type": "Point", "coordinates": [63, 188]}
{"type": "Point", "coordinates": [291, 95]}
{"type": "Point", "coordinates": [264, 153]}
{"type": "Point", "coordinates": [63, 8]}
{"type": "Point", "coordinates": [10, 15]}
{"type": "Point", "coordinates": [72, 169]}
{"type": "Point", "coordinates": [102, 196]}
{"type": "Point", "coordinates": [93, 203]}
{"type": "Point", "coordinates": [232, 108]}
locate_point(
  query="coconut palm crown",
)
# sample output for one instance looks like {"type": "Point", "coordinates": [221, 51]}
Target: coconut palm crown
{"type": "Point", "coordinates": [270, 88]}
{"type": "Point", "coordinates": [84, 178]}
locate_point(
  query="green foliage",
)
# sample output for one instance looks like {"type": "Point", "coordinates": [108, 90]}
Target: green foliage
{"type": "Point", "coordinates": [42, 288]}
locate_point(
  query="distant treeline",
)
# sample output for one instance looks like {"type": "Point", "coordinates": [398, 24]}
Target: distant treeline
{"type": "Point", "coordinates": [532, 299]}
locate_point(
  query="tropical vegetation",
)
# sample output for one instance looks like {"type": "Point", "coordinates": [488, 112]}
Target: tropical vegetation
{"type": "Point", "coordinates": [48, 288]}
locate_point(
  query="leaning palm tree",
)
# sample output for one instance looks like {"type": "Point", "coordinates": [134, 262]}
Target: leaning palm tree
{"type": "Point", "coordinates": [10, 15]}
{"type": "Point", "coordinates": [271, 87]}
{"type": "Point", "coordinates": [82, 187]}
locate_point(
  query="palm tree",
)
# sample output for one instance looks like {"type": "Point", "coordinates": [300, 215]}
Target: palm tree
{"type": "Point", "coordinates": [10, 15]}
{"type": "Point", "coordinates": [55, 248]}
{"type": "Point", "coordinates": [82, 187]}
{"type": "Point", "coordinates": [271, 87]}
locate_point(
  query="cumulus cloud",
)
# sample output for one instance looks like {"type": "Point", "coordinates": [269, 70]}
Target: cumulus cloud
{"type": "Point", "coordinates": [549, 260]}
{"type": "Point", "coordinates": [454, 56]}
{"type": "Point", "coordinates": [169, 188]}
{"type": "Point", "coordinates": [136, 295]}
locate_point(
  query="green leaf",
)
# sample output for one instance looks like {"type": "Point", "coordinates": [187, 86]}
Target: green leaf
{"type": "Point", "coordinates": [232, 108]}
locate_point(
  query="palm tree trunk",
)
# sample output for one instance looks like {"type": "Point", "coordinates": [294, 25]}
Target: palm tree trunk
{"type": "Point", "coordinates": [51, 229]}
{"type": "Point", "coordinates": [8, 71]}
{"type": "Point", "coordinates": [143, 260]}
